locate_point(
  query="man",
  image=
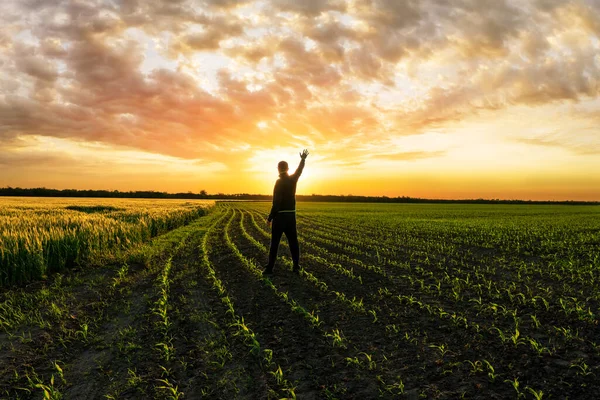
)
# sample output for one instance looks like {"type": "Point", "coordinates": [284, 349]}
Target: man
{"type": "Point", "coordinates": [283, 213]}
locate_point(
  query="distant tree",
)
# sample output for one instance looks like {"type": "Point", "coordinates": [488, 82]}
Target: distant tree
{"type": "Point", "coordinates": [151, 194]}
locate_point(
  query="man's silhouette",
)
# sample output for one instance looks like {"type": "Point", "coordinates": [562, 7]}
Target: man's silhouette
{"type": "Point", "coordinates": [283, 213]}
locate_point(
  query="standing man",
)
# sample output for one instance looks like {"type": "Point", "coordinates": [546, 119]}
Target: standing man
{"type": "Point", "coordinates": [283, 213]}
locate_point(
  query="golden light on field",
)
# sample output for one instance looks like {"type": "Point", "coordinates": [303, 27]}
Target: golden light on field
{"type": "Point", "coordinates": [429, 99]}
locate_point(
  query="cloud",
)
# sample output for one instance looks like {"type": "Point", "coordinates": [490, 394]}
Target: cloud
{"type": "Point", "coordinates": [305, 65]}
{"type": "Point", "coordinates": [31, 160]}
{"type": "Point", "coordinates": [227, 4]}
{"type": "Point", "coordinates": [560, 142]}
{"type": "Point", "coordinates": [215, 30]}
{"type": "Point", "coordinates": [309, 8]}
{"type": "Point", "coordinates": [409, 155]}
{"type": "Point", "coordinates": [363, 64]}
{"type": "Point", "coordinates": [88, 70]}
{"type": "Point", "coordinates": [38, 67]}
{"type": "Point", "coordinates": [330, 35]}
{"type": "Point", "coordinates": [18, 153]}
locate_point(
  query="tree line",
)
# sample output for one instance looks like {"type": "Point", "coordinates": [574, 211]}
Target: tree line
{"type": "Point", "coordinates": [151, 194]}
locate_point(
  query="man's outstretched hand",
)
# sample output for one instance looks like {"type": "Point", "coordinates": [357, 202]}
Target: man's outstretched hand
{"type": "Point", "coordinates": [304, 154]}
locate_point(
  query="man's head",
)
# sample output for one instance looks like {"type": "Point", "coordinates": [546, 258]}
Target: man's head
{"type": "Point", "coordinates": [282, 167]}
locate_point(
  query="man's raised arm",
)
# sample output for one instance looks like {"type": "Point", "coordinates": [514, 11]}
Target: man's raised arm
{"type": "Point", "coordinates": [298, 172]}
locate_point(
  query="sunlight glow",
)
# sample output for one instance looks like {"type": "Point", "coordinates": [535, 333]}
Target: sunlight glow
{"type": "Point", "coordinates": [262, 124]}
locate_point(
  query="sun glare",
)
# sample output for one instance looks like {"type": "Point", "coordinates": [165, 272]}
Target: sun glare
{"type": "Point", "coordinates": [262, 125]}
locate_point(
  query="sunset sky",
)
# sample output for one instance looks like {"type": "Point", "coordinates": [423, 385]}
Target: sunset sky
{"type": "Point", "coordinates": [429, 98]}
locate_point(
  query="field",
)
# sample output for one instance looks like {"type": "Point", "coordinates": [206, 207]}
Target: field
{"type": "Point", "coordinates": [41, 237]}
{"type": "Point", "coordinates": [395, 301]}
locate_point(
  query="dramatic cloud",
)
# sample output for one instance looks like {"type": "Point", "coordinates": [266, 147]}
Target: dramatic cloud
{"type": "Point", "coordinates": [223, 81]}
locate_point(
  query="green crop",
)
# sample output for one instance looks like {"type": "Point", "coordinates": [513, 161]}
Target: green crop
{"type": "Point", "coordinates": [42, 236]}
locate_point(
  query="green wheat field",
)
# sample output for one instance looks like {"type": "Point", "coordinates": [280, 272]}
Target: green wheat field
{"type": "Point", "coordinates": [165, 299]}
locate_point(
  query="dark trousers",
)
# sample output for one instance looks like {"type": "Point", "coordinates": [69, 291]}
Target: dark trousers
{"type": "Point", "coordinates": [284, 223]}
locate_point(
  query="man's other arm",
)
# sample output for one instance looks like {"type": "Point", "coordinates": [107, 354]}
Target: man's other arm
{"type": "Point", "coordinates": [276, 202]}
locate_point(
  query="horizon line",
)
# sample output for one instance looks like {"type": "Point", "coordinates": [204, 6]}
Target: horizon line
{"type": "Point", "coordinates": [212, 195]}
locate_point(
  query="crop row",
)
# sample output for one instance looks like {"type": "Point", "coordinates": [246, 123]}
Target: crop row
{"type": "Point", "coordinates": [488, 320]}
{"type": "Point", "coordinates": [466, 285]}
{"type": "Point", "coordinates": [304, 300]}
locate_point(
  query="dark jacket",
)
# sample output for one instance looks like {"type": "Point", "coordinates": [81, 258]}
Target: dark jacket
{"type": "Point", "coordinates": [284, 193]}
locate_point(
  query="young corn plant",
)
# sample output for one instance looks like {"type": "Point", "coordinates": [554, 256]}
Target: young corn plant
{"type": "Point", "coordinates": [83, 332]}
{"type": "Point", "coordinates": [582, 368]}
{"type": "Point", "coordinates": [515, 384]}
{"type": "Point", "coordinates": [442, 348]}
{"type": "Point", "coordinates": [476, 366]}
{"type": "Point", "coordinates": [353, 361]}
{"type": "Point", "coordinates": [539, 348]}
{"type": "Point", "coordinates": [171, 391]}
{"type": "Point", "coordinates": [249, 336]}
{"type": "Point", "coordinates": [396, 388]}
{"type": "Point", "coordinates": [537, 394]}
{"type": "Point", "coordinates": [337, 338]}
{"type": "Point", "coordinates": [49, 391]}
{"type": "Point", "coordinates": [371, 364]}
{"type": "Point", "coordinates": [278, 375]}
{"type": "Point", "coordinates": [491, 372]}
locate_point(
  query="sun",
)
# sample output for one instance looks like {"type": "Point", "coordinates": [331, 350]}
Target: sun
{"type": "Point", "coordinates": [262, 124]}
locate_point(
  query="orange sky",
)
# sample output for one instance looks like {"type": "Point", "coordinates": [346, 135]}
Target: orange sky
{"type": "Point", "coordinates": [430, 98]}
